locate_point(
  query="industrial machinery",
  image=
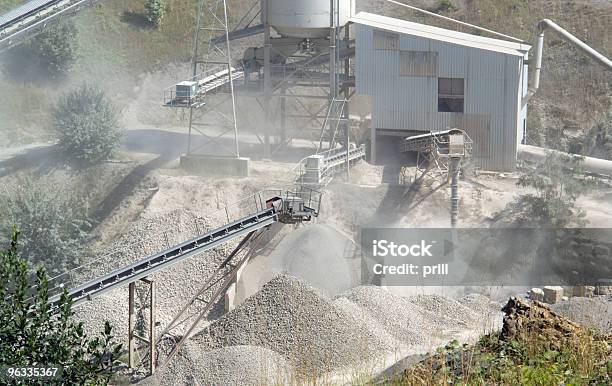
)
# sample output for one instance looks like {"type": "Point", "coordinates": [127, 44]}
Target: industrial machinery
{"type": "Point", "coordinates": [255, 215]}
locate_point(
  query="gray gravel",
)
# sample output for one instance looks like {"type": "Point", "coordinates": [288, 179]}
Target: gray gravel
{"type": "Point", "coordinates": [299, 322]}
{"type": "Point", "coordinates": [174, 285]}
{"type": "Point", "coordinates": [405, 318]}
{"type": "Point", "coordinates": [590, 312]}
{"type": "Point", "coordinates": [446, 309]}
{"type": "Point", "coordinates": [481, 304]}
{"type": "Point", "coordinates": [235, 365]}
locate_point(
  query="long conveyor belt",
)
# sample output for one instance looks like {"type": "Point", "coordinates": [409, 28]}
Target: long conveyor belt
{"type": "Point", "coordinates": [171, 256]}
{"type": "Point", "coordinates": [33, 16]}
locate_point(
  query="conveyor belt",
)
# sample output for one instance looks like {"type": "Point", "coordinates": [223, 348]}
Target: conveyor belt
{"type": "Point", "coordinates": [169, 257]}
{"type": "Point", "coordinates": [29, 18]}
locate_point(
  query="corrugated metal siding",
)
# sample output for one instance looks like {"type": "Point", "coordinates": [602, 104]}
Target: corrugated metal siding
{"type": "Point", "coordinates": [492, 87]}
{"type": "Point", "coordinates": [418, 63]}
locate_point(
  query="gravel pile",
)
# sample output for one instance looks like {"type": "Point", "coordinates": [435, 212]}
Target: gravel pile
{"type": "Point", "coordinates": [362, 317]}
{"type": "Point", "coordinates": [590, 312]}
{"type": "Point", "coordinates": [447, 309]}
{"type": "Point", "coordinates": [481, 304]}
{"type": "Point", "coordinates": [174, 285]}
{"type": "Point", "coordinates": [299, 322]}
{"type": "Point", "coordinates": [402, 317]}
{"type": "Point", "coordinates": [235, 365]}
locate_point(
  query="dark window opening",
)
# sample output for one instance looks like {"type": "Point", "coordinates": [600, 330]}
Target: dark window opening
{"type": "Point", "coordinates": [451, 95]}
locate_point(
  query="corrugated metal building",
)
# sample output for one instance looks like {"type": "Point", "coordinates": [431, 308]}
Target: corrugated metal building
{"type": "Point", "coordinates": [423, 78]}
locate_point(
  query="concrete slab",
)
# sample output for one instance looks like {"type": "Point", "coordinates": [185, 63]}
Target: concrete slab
{"type": "Point", "coordinates": [212, 165]}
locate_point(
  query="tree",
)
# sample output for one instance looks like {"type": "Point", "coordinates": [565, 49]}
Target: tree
{"type": "Point", "coordinates": [53, 224]}
{"type": "Point", "coordinates": [155, 9]}
{"type": "Point", "coordinates": [33, 333]}
{"type": "Point", "coordinates": [558, 182]}
{"type": "Point", "coordinates": [49, 55]}
{"type": "Point", "coordinates": [87, 124]}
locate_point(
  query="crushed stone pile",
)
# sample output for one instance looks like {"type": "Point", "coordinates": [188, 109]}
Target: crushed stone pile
{"type": "Point", "coordinates": [402, 317]}
{"type": "Point", "coordinates": [447, 308]}
{"type": "Point", "coordinates": [113, 306]}
{"type": "Point", "coordinates": [593, 312]}
{"type": "Point", "coordinates": [481, 304]}
{"type": "Point", "coordinates": [234, 365]}
{"type": "Point", "coordinates": [372, 326]}
{"type": "Point", "coordinates": [297, 321]}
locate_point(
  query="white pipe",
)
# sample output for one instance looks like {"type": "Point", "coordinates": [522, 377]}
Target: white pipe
{"type": "Point", "coordinates": [563, 34]}
{"type": "Point", "coordinates": [591, 165]}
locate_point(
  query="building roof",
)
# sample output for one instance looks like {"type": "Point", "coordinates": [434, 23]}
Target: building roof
{"type": "Point", "coordinates": [440, 34]}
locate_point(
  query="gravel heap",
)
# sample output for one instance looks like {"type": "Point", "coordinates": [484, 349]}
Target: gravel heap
{"type": "Point", "coordinates": [590, 312]}
{"type": "Point", "coordinates": [235, 365]}
{"type": "Point", "coordinates": [174, 285]}
{"type": "Point", "coordinates": [402, 317]}
{"type": "Point", "coordinates": [448, 309]}
{"type": "Point", "coordinates": [481, 304]}
{"type": "Point", "coordinates": [299, 322]}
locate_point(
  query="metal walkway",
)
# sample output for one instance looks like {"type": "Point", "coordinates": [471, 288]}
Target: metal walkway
{"type": "Point", "coordinates": [207, 83]}
{"type": "Point", "coordinates": [30, 18]}
{"type": "Point", "coordinates": [318, 170]}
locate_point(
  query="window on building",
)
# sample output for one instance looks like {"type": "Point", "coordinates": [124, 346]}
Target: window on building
{"type": "Point", "coordinates": [384, 40]}
{"type": "Point", "coordinates": [451, 95]}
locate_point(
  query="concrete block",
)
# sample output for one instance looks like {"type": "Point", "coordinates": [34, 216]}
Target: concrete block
{"type": "Point", "coordinates": [603, 290]}
{"type": "Point", "coordinates": [584, 291]}
{"type": "Point", "coordinates": [553, 294]}
{"type": "Point", "coordinates": [536, 294]}
{"type": "Point", "coordinates": [211, 165]}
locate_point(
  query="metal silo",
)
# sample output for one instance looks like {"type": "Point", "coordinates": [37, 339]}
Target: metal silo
{"type": "Point", "coordinates": [307, 18]}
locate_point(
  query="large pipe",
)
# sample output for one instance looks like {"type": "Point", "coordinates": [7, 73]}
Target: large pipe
{"type": "Point", "coordinates": [542, 27]}
{"type": "Point", "coordinates": [591, 165]}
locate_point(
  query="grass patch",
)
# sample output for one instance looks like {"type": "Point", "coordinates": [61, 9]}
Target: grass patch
{"type": "Point", "coordinates": [535, 347]}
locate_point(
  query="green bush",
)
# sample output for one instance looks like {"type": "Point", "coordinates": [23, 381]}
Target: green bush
{"type": "Point", "coordinates": [34, 334]}
{"type": "Point", "coordinates": [154, 10]}
{"type": "Point", "coordinates": [87, 124]}
{"type": "Point", "coordinates": [54, 226]}
{"type": "Point", "coordinates": [49, 55]}
{"type": "Point", "coordinates": [558, 182]}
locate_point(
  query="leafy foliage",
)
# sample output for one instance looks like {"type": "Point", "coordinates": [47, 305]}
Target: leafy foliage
{"type": "Point", "coordinates": [53, 225]}
{"type": "Point", "coordinates": [49, 55]}
{"type": "Point", "coordinates": [87, 124]}
{"type": "Point", "coordinates": [558, 182]}
{"type": "Point", "coordinates": [155, 9]}
{"type": "Point", "coordinates": [582, 360]}
{"type": "Point", "coordinates": [33, 333]}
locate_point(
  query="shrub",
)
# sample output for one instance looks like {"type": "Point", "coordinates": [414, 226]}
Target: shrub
{"type": "Point", "coordinates": [34, 334]}
{"type": "Point", "coordinates": [87, 124]}
{"type": "Point", "coordinates": [155, 9]}
{"type": "Point", "coordinates": [54, 226]}
{"type": "Point", "coordinates": [558, 182]}
{"type": "Point", "coordinates": [48, 55]}
{"type": "Point", "coordinates": [445, 6]}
